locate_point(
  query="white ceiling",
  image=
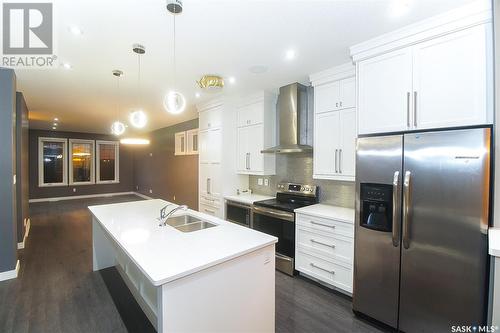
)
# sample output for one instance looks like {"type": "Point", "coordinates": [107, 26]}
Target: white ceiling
{"type": "Point", "coordinates": [213, 37]}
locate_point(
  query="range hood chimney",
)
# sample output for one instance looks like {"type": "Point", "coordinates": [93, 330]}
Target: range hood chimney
{"type": "Point", "coordinates": [294, 120]}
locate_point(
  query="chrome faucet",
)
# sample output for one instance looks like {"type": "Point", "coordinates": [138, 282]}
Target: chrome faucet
{"type": "Point", "coordinates": [164, 215]}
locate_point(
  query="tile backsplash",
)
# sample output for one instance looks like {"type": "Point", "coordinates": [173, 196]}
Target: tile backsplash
{"type": "Point", "coordinates": [298, 168]}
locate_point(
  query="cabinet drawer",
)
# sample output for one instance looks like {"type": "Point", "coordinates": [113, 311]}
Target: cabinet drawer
{"type": "Point", "coordinates": [328, 271]}
{"type": "Point", "coordinates": [326, 225]}
{"type": "Point", "coordinates": [210, 210]}
{"type": "Point", "coordinates": [334, 247]}
{"type": "Point", "coordinates": [210, 200]}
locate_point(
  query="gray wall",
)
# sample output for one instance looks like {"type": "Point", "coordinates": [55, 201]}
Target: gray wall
{"type": "Point", "coordinates": [8, 229]}
{"type": "Point", "coordinates": [298, 168]}
{"type": "Point", "coordinates": [22, 161]}
{"type": "Point", "coordinates": [126, 168]}
{"type": "Point", "coordinates": [169, 177]}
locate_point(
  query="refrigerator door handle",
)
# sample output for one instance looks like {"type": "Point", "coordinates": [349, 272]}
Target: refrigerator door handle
{"type": "Point", "coordinates": [406, 210]}
{"type": "Point", "coordinates": [395, 209]}
{"type": "Point", "coordinates": [408, 124]}
{"type": "Point", "coordinates": [336, 169]}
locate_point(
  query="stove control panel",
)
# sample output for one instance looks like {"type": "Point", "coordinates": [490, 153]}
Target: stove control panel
{"type": "Point", "coordinates": [301, 189]}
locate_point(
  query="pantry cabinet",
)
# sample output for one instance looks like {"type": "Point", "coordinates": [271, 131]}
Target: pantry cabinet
{"type": "Point", "coordinates": [442, 80]}
{"type": "Point", "coordinates": [256, 132]}
{"type": "Point", "coordinates": [334, 152]}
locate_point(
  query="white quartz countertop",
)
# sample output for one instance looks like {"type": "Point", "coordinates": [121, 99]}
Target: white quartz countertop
{"type": "Point", "coordinates": [328, 212]}
{"type": "Point", "coordinates": [165, 254]}
{"type": "Point", "coordinates": [247, 199]}
{"type": "Point", "coordinates": [494, 241]}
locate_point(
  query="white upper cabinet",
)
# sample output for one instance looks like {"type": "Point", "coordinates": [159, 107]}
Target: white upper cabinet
{"type": "Point", "coordinates": [180, 143]}
{"type": "Point", "coordinates": [334, 152]}
{"type": "Point", "coordinates": [336, 95]}
{"type": "Point", "coordinates": [433, 74]}
{"type": "Point", "coordinates": [385, 85]}
{"type": "Point", "coordinates": [450, 80]}
{"type": "Point", "coordinates": [256, 131]}
{"type": "Point", "coordinates": [211, 118]}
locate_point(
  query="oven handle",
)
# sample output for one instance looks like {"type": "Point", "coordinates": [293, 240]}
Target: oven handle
{"type": "Point", "coordinates": [290, 217]}
{"type": "Point", "coordinates": [236, 204]}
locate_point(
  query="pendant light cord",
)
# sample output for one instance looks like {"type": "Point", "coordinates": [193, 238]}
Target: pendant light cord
{"type": "Point", "coordinates": [139, 79]}
{"type": "Point", "coordinates": [118, 97]}
{"type": "Point", "coordinates": [175, 62]}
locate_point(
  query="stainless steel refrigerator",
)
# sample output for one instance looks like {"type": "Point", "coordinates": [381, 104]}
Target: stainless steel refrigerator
{"type": "Point", "coordinates": [422, 211]}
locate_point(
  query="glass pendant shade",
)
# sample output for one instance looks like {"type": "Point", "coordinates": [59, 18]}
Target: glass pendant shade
{"type": "Point", "coordinates": [138, 119]}
{"type": "Point", "coordinates": [117, 128]}
{"type": "Point", "coordinates": [174, 102]}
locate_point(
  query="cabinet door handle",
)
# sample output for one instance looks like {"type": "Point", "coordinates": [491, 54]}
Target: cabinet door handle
{"type": "Point", "coordinates": [340, 103]}
{"type": "Point", "coordinates": [408, 109]}
{"type": "Point", "coordinates": [209, 124]}
{"type": "Point", "coordinates": [337, 104]}
{"type": "Point", "coordinates": [249, 161]}
{"type": "Point", "coordinates": [321, 268]}
{"type": "Point", "coordinates": [208, 186]}
{"type": "Point", "coordinates": [323, 224]}
{"type": "Point", "coordinates": [335, 161]}
{"type": "Point", "coordinates": [321, 243]}
{"type": "Point", "coordinates": [340, 160]}
{"type": "Point", "coordinates": [414, 109]}
{"type": "Point", "coordinates": [209, 210]}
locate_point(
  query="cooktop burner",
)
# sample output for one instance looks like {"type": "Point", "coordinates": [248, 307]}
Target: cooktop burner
{"type": "Point", "coordinates": [291, 196]}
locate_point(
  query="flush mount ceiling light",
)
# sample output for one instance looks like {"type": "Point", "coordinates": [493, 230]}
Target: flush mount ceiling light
{"type": "Point", "coordinates": [117, 127]}
{"type": "Point", "coordinates": [290, 55]}
{"type": "Point", "coordinates": [211, 82]}
{"type": "Point", "coordinates": [76, 30]}
{"type": "Point", "coordinates": [67, 66]}
{"type": "Point", "coordinates": [138, 118]}
{"type": "Point", "coordinates": [232, 80]}
{"type": "Point", "coordinates": [174, 102]}
{"type": "Point", "coordinates": [134, 141]}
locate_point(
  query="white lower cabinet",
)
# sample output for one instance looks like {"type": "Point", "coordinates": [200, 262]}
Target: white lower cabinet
{"type": "Point", "coordinates": [325, 250]}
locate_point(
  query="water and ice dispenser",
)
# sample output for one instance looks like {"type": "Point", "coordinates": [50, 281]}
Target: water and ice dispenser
{"type": "Point", "coordinates": [376, 206]}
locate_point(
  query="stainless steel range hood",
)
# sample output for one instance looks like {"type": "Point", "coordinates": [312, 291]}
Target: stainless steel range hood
{"type": "Point", "coordinates": [294, 120]}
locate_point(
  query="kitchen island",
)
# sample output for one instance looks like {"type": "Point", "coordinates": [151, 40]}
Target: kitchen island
{"type": "Point", "coordinates": [218, 279]}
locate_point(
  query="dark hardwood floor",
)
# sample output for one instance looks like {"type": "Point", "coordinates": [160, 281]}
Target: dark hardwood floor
{"type": "Point", "coordinates": [56, 290]}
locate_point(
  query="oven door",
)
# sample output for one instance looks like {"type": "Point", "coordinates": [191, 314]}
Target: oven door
{"type": "Point", "coordinates": [280, 224]}
{"type": "Point", "coordinates": [238, 213]}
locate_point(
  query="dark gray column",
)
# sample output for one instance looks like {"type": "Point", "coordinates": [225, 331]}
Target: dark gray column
{"type": "Point", "coordinates": [22, 168]}
{"type": "Point", "coordinates": [8, 228]}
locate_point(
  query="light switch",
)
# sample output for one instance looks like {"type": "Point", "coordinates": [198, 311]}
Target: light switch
{"type": "Point", "coordinates": [259, 181]}
{"type": "Point", "coordinates": [266, 182]}
{"type": "Point", "coordinates": [74, 189]}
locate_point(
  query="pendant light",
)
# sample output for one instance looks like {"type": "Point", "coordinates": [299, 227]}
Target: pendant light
{"type": "Point", "coordinates": [138, 118]}
{"type": "Point", "coordinates": [174, 102]}
{"type": "Point", "coordinates": [117, 128]}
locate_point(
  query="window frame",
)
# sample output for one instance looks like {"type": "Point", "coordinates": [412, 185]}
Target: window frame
{"type": "Point", "coordinates": [98, 158]}
{"type": "Point", "coordinates": [64, 141]}
{"type": "Point", "coordinates": [92, 164]}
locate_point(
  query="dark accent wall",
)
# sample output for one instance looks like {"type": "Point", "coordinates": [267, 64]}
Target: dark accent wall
{"type": "Point", "coordinates": [8, 226]}
{"type": "Point", "coordinates": [169, 177]}
{"type": "Point", "coordinates": [22, 161]}
{"type": "Point", "coordinates": [126, 168]}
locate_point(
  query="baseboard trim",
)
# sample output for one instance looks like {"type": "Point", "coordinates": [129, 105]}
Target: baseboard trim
{"type": "Point", "coordinates": [143, 196]}
{"type": "Point", "coordinates": [82, 196]}
{"type": "Point", "coordinates": [27, 226]}
{"type": "Point", "coordinates": [7, 275]}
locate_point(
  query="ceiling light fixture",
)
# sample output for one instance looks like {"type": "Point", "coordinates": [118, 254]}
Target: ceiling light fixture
{"type": "Point", "coordinates": [56, 119]}
{"type": "Point", "coordinates": [75, 30]}
{"type": "Point", "coordinates": [53, 127]}
{"type": "Point", "coordinates": [67, 66]}
{"type": "Point", "coordinates": [211, 82]}
{"type": "Point", "coordinates": [55, 124]}
{"type": "Point", "coordinates": [197, 95]}
{"type": "Point", "coordinates": [138, 118]}
{"type": "Point", "coordinates": [134, 141]}
{"type": "Point", "coordinates": [174, 102]}
{"type": "Point", "coordinates": [290, 55]}
{"type": "Point", "coordinates": [231, 80]}
{"type": "Point", "coordinates": [117, 127]}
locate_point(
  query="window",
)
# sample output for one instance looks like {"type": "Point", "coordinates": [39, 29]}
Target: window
{"type": "Point", "coordinates": [108, 162]}
{"type": "Point", "coordinates": [52, 162]}
{"type": "Point", "coordinates": [81, 170]}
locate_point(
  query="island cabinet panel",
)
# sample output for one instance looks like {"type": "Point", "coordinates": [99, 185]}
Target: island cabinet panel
{"type": "Point", "coordinates": [235, 296]}
{"type": "Point", "coordinates": [434, 74]}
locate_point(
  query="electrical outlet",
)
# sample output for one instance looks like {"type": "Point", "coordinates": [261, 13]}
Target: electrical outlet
{"type": "Point", "coordinates": [150, 191]}
{"type": "Point", "coordinates": [74, 189]}
{"type": "Point", "coordinates": [259, 181]}
{"type": "Point", "coordinates": [266, 182]}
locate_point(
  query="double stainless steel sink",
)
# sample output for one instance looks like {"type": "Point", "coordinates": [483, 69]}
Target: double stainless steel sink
{"type": "Point", "coordinates": [189, 223]}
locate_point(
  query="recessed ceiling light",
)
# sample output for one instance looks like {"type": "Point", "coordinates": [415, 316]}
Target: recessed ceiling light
{"type": "Point", "coordinates": [400, 7]}
{"type": "Point", "coordinates": [231, 79]}
{"type": "Point", "coordinates": [53, 127]}
{"type": "Point", "coordinates": [56, 119]}
{"type": "Point", "coordinates": [75, 30]}
{"type": "Point", "coordinates": [66, 66]}
{"type": "Point", "coordinates": [197, 95]}
{"type": "Point", "coordinates": [290, 54]}
{"type": "Point", "coordinates": [55, 124]}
